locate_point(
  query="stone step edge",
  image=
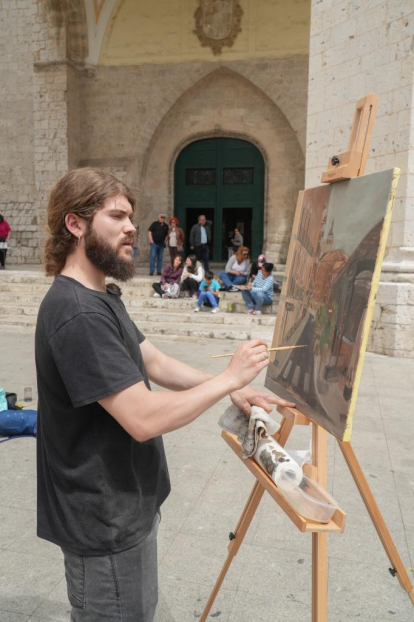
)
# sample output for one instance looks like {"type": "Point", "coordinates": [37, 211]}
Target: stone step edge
{"type": "Point", "coordinates": [14, 311]}
{"type": "Point", "coordinates": [31, 319]}
{"type": "Point", "coordinates": [155, 338]}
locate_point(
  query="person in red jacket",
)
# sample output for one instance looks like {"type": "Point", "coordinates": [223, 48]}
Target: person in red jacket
{"type": "Point", "coordinates": [4, 234]}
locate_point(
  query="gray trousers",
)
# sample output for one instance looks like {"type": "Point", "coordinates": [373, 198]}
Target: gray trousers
{"type": "Point", "coordinates": [119, 587]}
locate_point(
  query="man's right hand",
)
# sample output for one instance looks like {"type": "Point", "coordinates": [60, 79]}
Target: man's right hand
{"type": "Point", "coordinates": [192, 248]}
{"type": "Point", "coordinates": [247, 362]}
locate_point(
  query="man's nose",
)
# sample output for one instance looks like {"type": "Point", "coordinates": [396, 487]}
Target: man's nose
{"type": "Point", "coordinates": [130, 227]}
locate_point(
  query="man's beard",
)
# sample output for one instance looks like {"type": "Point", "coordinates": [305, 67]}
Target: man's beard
{"type": "Point", "coordinates": [104, 257]}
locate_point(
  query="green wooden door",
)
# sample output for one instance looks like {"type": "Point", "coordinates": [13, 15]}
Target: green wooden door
{"type": "Point", "coordinates": [222, 178]}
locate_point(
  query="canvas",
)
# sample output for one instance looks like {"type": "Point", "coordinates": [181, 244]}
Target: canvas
{"type": "Point", "coordinates": [328, 295]}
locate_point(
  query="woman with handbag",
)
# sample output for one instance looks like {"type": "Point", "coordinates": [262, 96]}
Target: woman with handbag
{"type": "Point", "coordinates": [175, 239]}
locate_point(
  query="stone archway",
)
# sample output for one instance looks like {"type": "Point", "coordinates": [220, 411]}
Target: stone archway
{"type": "Point", "coordinates": [226, 104]}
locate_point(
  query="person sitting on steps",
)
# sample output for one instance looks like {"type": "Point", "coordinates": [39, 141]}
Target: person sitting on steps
{"type": "Point", "coordinates": [260, 292]}
{"type": "Point", "coordinates": [237, 270]}
{"type": "Point", "coordinates": [169, 287]}
{"type": "Point", "coordinates": [192, 276]}
{"type": "Point", "coordinates": [209, 293]}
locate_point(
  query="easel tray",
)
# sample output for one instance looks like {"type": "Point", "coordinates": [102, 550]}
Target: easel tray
{"type": "Point", "coordinates": [305, 525]}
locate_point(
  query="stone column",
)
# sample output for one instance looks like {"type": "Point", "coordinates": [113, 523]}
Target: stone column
{"type": "Point", "coordinates": [16, 128]}
{"type": "Point", "coordinates": [357, 47]}
{"type": "Point", "coordinates": [50, 90]}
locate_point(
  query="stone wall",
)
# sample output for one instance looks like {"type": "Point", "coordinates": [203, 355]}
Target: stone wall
{"type": "Point", "coordinates": [73, 119]}
{"type": "Point", "coordinates": [132, 120]}
{"type": "Point", "coordinates": [23, 244]}
{"type": "Point", "coordinates": [164, 31]}
{"type": "Point", "coordinates": [225, 104]}
{"type": "Point", "coordinates": [358, 47]}
{"type": "Point", "coordinates": [50, 102]}
{"type": "Point", "coordinates": [16, 104]}
{"type": "Point", "coordinates": [58, 114]}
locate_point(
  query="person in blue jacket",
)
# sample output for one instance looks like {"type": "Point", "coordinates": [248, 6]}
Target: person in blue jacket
{"type": "Point", "coordinates": [209, 293]}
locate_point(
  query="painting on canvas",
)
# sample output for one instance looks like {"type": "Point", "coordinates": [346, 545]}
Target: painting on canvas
{"type": "Point", "coordinates": [332, 273]}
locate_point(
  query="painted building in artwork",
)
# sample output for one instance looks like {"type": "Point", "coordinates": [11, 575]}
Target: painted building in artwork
{"type": "Point", "coordinates": [228, 107]}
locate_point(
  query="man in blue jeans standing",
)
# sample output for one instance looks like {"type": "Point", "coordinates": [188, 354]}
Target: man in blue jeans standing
{"type": "Point", "coordinates": [260, 292]}
{"type": "Point", "coordinates": [157, 232]}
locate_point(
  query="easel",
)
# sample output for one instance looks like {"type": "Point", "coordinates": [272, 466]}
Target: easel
{"type": "Point", "coordinates": [347, 165]}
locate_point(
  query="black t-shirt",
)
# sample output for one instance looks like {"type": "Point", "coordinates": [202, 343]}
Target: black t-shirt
{"type": "Point", "coordinates": [159, 231]}
{"type": "Point", "coordinates": [98, 488]}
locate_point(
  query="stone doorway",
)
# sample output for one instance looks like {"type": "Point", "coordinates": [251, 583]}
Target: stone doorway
{"type": "Point", "coordinates": [222, 178]}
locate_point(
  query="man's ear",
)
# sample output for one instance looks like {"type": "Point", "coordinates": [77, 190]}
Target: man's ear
{"type": "Point", "coordinates": [75, 225]}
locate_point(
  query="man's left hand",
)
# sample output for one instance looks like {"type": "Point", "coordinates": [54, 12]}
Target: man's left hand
{"type": "Point", "coordinates": [245, 398]}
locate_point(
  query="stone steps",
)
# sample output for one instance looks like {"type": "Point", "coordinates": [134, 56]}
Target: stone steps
{"type": "Point", "coordinates": [139, 299]}
{"type": "Point", "coordinates": [22, 292]}
{"type": "Point", "coordinates": [206, 330]}
{"type": "Point", "coordinates": [198, 330]}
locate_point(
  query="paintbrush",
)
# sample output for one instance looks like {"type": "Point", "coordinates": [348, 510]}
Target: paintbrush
{"type": "Point", "coordinates": [219, 356]}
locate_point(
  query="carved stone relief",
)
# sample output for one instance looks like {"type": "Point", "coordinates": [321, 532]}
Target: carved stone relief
{"type": "Point", "coordinates": [218, 23]}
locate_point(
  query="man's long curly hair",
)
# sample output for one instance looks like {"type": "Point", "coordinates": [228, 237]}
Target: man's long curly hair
{"type": "Point", "coordinates": [82, 191]}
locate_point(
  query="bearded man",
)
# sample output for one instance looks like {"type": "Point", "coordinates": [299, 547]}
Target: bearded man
{"type": "Point", "coordinates": [102, 471]}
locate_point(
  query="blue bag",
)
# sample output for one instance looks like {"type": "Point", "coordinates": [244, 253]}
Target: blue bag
{"type": "Point", "coordinates": [18, 422]}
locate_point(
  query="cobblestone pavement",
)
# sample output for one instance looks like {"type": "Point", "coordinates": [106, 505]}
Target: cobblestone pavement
{"type": "Point", "coordinates": [270, 578]}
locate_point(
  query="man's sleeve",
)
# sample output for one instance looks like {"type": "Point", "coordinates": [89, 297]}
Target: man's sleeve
{"type": "Point", "coordinates": [192, 236]}
{"type": "Point", "coordinates": [151, 227]}
{"type": "Point", "coordinates": [92, 358]}
{"type": "Point", "coordinates": [141, 336]}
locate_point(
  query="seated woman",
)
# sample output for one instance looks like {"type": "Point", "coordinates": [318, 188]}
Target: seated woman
{"type": "Point", "coordinates": [191, 277]}
{"type": "Point", "coordinates": [237, 270]}
{"type": "Point", "coordinates": [169, 287]}
{"type": "Point", "coordinates": [260, 292]}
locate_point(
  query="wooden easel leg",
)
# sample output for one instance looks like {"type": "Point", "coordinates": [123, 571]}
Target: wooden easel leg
{"type": "Point", "coordinates": [236, 541]}
{"type": "Point", "coordinates": [319, 577]}
{"type": "Point", "coordinates": [245, 519]}
{"type": "Point", "coordinates": [377, 519]}
{"type": "Point", "coordinates": [319, 540]}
